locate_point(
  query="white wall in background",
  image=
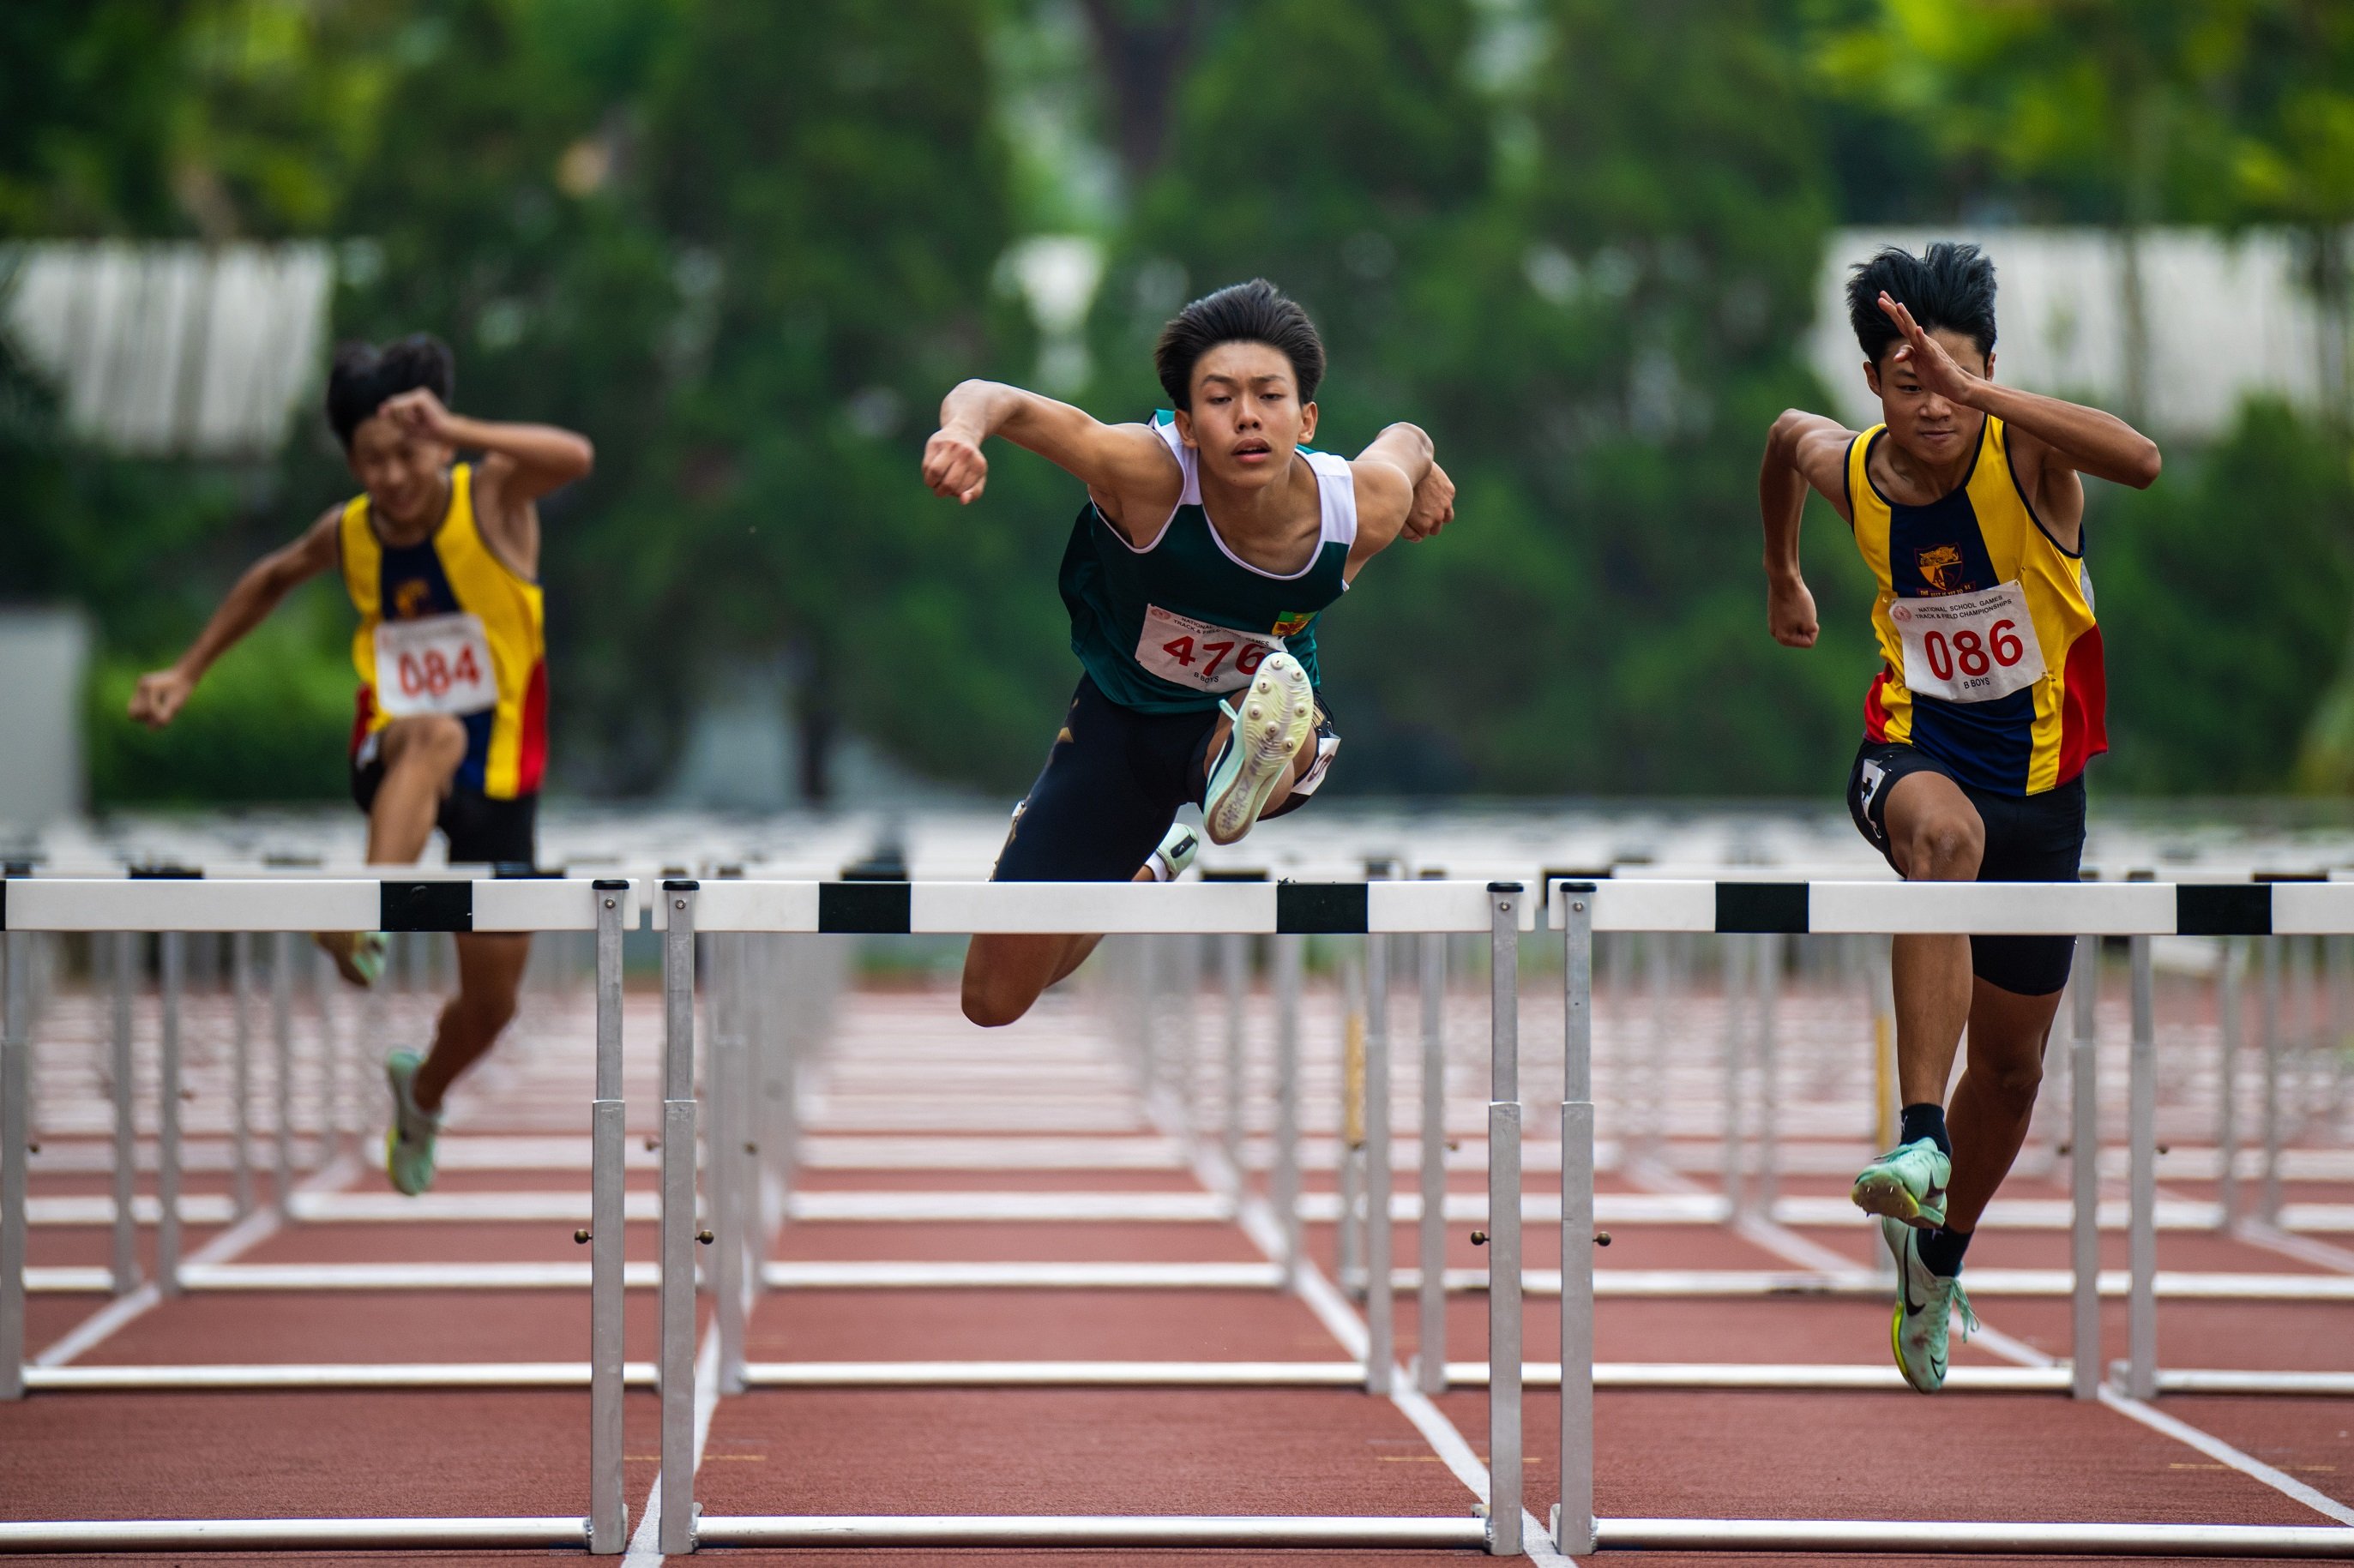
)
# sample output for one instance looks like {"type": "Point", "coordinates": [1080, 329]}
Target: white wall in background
{"type": "Point", "coordinates": [172, 350]}
{"type": "Point", "coordinates": [44, 654]}
{"type": "Point", "coordinates": [2224, 317]}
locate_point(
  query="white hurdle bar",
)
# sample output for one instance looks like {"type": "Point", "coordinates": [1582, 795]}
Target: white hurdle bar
{"type": "Point", "coordinates": [175, 905]}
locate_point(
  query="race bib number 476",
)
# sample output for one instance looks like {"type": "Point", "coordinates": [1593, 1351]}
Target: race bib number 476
{"type": "Point", "coordinates": [1200, 654]}
{"type": "Point", "coordinates": [1969, 647]}
{"type": "Point", "coordinates": [435, 664]}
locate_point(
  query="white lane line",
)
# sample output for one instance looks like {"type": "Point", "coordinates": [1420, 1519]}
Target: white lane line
{"type": "Point", "coordinates": [645, 1541]}
{"type": "Point", "coordinates": [2305, 1249]}
{"type": "Point", "coordinates": [2023, 1354]}
{"type": "Point", "coordinates": [2215, 1448]}
{"type": "Point", "coordinates": [252, 1230]}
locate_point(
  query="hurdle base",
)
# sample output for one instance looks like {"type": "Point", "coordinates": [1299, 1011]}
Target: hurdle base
{"type": "Point", "coordinates": [289, 1534]}
{"type": "Point", "coordinates": [1087, 1530]}
{"type": "Point", "coordinates": [1914, 1538]}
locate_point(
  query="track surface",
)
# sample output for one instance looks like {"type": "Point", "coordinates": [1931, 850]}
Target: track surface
{"type": "Point", "coordinates": [911, 1101]}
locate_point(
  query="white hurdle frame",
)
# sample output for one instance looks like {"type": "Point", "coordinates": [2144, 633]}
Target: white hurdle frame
{"type": "Point", "coordinates": [173, 907]}
{"type": "Point", "coordinates": [2136, 910]}
{"type": "Point", "coordinates": [1285, 911]}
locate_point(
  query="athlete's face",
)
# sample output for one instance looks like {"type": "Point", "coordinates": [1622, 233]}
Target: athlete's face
{"type": "Point", "coordinates": [1936, 431]}
{"type": "Point", "coordinates": [400, 470]}
{"type": "Point", "coordinates": [1246, 419]}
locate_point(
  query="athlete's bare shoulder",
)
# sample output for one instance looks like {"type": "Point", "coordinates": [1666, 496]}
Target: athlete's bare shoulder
{"type": "Point", "coordinates": [1816, 446]}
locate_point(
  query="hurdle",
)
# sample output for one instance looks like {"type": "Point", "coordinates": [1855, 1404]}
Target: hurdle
{"type": "Point", "coordinates": [1288, 911]}
{"type": "Point", "coordinates": [2137, 910]}
{"type": "Point", "coordinates": [1285, 911]}
{"type": "Point", "coordinates": [183, 904]}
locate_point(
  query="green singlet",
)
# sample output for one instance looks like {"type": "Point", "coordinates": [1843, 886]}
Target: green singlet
{"type": "Point", "coordinates": [1173, 626]}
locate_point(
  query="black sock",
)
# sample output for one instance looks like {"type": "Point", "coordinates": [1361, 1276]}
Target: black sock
{"type": "Point", "coordinates": [1927, 1120]}
{"type": "Point", "coordinates": [1941, 1250]}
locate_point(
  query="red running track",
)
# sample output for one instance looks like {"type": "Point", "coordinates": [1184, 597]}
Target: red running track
{"type": "Point", "coordinates": [1758, 1455]}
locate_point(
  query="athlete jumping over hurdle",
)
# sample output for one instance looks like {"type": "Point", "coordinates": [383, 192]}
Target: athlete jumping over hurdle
{"type": "Point", "coordinates": [441, 561]}
{"type": "Point", "coordinates": [1967, 503]}
{"type": "Point", "coordinates": [1210, 543]}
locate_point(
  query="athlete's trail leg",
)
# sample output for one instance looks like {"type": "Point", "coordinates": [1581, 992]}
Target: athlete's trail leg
{"type": "Point", "coordinates": [1005, 975]}
{"type": "Point", "coordinates": [421, 757]}
{"type": "Point", "coordinates": [1934, 835]}
{"type": "Point", "coordinates": [490, 968]}
{"type": "Point", "coordinates": [1987, 1119]}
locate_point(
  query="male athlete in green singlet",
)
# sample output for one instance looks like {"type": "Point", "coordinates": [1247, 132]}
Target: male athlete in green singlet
{"type": "Point", "coordinates": [1210, 542]}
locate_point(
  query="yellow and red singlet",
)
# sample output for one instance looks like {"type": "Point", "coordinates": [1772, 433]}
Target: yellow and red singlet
{"type": "Point", "coordinates": [1992, 655]}
{"type": "Point", "coordinates": [446, 626]}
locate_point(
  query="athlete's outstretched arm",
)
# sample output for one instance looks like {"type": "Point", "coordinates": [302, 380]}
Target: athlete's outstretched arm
{"type": "Point", "coordinates": [2086, 440]}
{"type": "Point", "coordinates": [522, 462]}
{"type": "Point", "coordinates": [1401, 493]}
{"type": "Point", "coordinates": [1802, 449]}
{"type": "Point", "coordinates": [1119, 464]}
{"type": "Point", "coordinates": [159, 694]}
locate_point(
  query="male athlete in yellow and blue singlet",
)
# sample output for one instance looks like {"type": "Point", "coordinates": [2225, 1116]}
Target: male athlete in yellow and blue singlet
{"type": "Point", "coordinates": [1967, 505]}
{"type": "Point", "coordinates": [441, 561]}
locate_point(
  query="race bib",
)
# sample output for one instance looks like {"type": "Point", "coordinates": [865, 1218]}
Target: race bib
{"type": "Point", "coordinates": [1197, 653]}
{"type": "Point", "coordinates": [1968, 646]}
{"type": "Point", "coordinates": [435, 664]}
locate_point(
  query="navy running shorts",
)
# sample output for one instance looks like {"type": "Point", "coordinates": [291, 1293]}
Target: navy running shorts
{"type": "Point", "coordinates": [2029, 838]}
{"type": "Point", "coordinates": [1112, 785]}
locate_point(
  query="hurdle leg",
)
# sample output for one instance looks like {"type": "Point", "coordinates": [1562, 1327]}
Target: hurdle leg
{"type": "Point", "coordinates": [1736, 953]}
{"type": "Point", "coordinates": [1505, 1220]}
{"type": "Point", "coordinates": [2084, 1173]}
{"type": "Point", "coordinates": [172, 952]}
{"type": "Point", "coordinates": [678, 1221]}
{"type": "Point", "coordinates": [1380, 1298]}
{"type": "Point", "coordinates": [2141, 1318]}
{"type": "Point", "coordinates": [330, 1063]}
{"type": "Point", "coordinates": [1283, 1181]}
{"type": "Point", "coordinates": [1659, 959]}
{"type": "Point", "coordinates": [2269, 1197]}
{"type": "Point", "coordinates": [1768, 957]}
{"type": "Point", "coordinates": [125, 947]}
{"type": "Point", "coordinates": [608, 1119]}
{"type": "Point", "coordinates": [281, 1023]}
{"type": "Point", "coordinates": [16, 1134]}
{"type": "Point", "coordinates": [1430, 1328]}
{"type": "Point", "coordinates": [1234, 964]}
{"type": "Point", "coordinates": [240, 966]}
{"type": "Point", "coordinates": [2227, 1085]}
{"type": "Point", "coordinates": [723, 1073]}
{"type": "Point", "coordinates": [1573, 1530]}
{"type": "Point", "coordinates": [1349, 1245]}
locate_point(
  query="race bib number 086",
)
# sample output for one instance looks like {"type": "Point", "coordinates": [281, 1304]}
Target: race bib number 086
{"type": "Point", "coordinates": [1969, 647]}
{"type": "Point", "coordinates": [435, 664]}
{"type": "Point", "coordinates": [1199, 653]}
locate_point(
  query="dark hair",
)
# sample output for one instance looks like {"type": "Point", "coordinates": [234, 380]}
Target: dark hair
{"type": "Point", "coordinates": [1951, 287]}
{"type": "Point", "coordinates": [364, 375]}
{"type": "Point", "coordinates": [1255, 312]}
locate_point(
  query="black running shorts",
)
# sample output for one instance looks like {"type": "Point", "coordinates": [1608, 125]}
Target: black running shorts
{"type": "Point", "coordinates": [480, 831]}
{"type": "Point", "coordinates": [2029, 838]}
{"type": "Point", "coordinates": [1112, 785]}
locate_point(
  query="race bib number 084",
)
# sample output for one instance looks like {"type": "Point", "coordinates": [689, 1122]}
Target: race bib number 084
{"type": "Point", "coordinates": [435, 664]}
{"type": "Point", "coordinates": [1969, 647]}
{"type": "Point", "coordinates": [1200, 653]}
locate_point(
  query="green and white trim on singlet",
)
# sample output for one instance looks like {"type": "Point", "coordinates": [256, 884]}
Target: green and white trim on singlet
{"type": "Point", "coordinates": [1172, 625]}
